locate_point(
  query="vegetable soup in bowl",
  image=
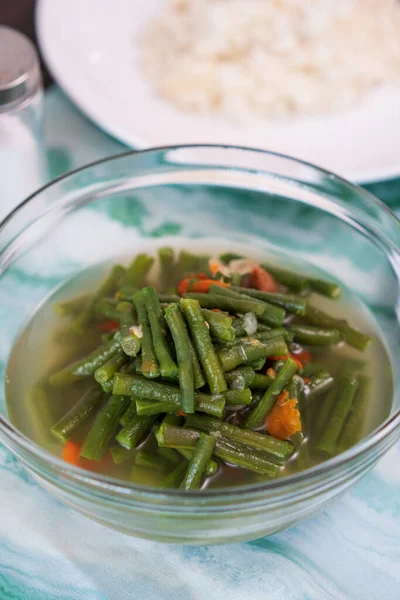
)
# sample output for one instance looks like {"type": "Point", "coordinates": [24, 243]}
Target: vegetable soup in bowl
{"type": "Point", "coordinates": [199, 340]}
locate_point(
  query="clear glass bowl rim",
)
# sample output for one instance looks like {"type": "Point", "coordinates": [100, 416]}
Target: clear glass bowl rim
{"type": "Point", "coordinates": [117, 486]}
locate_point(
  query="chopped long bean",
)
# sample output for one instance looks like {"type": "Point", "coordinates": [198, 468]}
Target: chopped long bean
{"type": "Point", "coordinates": [173, 479]}
{"type": "Point", "coordinates": [232, 305]}
{"type": "Point", "coordinates": [347, 389]}
{"type": "Point", "coordinates": [149, 366]}
{"type": "Point", "coordinates": [129, 413]}
{"type": "Point", "coordinates": [351, 336]}
{"type": "Point", "coordinates": [353, 428]}
{"type": "Point", "coordinates": [196, 468]}
{"type": "Point", "coordinates": [135, 430]}
{"type": "Point", "coordinates": [258, 414]}
{"type": "Point", "coordinates": [166, 257]}
{"type": "Point", "coordinates": [240, 378]}
{"type": "Point", "coordinates": [158, 326]}
{"type": "Point", "coordinates": [314, 336]}
{"type": "Point", "coordinates": [220, 325]}
{"type": "Point", "coordinates": [203, 345]}
{"type": "Point", "coordinates": [138, 270]}
{"type": "Point", "coordinates": [180, 335]}
{"type": "Point", "coordinates": [129, 341]}
{"type": "Point", "coordinates": [103, 428]}
{"type": "Point", "coordinates": [251, 351]}
{"type": "Point", "coordinates": [111, 366]}
{"type": "Point", "coordinates": [293, 304]}
{"type": "Point", "coordinates": [271, 315]}
{"type": "Point", "coordinates": [79, 414]}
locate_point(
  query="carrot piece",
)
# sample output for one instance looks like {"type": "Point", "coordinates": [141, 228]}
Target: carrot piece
{"type": "Point", "coordinates": [261, 280]}
{"type": "Point", "coordinates": [180, 413]}
{"type": "Point", "coordinates": [306, 379]}
{"type": "Point", "coordinates": [108, 326]}
{"type": "Point", "coordinates": [304, 356]}
{"type": "Point", "coordinates": [216, 310]}
{"type": "Point", "coordinates": [71, 453]}
{"type": "Point", "coordinates": [203, 286]}
{"type": "Point", "coordinates": [214, 266]}
{"type": "Point", "coordinates": [284, 418]}
{"type": "Point", "coordinates": [183, 286]}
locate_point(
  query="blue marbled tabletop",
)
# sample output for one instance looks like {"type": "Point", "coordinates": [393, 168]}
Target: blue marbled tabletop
{"type": "Point", "coordinates": [48, 552]}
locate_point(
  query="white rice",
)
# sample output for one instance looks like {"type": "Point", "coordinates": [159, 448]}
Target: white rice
{"type": "Point", "coordinates": [243, 58]}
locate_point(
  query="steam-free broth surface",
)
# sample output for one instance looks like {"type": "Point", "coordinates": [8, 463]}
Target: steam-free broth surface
{"type": "Point", "coordinates": [49, 343]}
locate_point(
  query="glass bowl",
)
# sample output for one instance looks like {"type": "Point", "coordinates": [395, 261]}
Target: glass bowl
{"type": "Point", "coordinates": [180, 195]}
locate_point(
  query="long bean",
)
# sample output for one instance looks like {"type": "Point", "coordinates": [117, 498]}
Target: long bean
{"type": "Point", "coordinates": [294, 281]}
{"type": "Point", "coordinates": [129, 413]}
{"type": "Point", "coordinates": [239, 378]}
{"type": "Point", "coordinates": [326, 288]}
{"type": "Point", "coordinates": [111, 366]}
{"type": "Point", "coordinates": [138, 270]}
{"type": "Point", "coordinates": [258, 414]}
{"type": "Point", "coordinates": [129, 341]}
{"type": "Point", "coordinates": [251, 351]}
{"type": "Point", "coordinates": [70, 307]}
{"type": "Point", "coordinates": [351, 336]}
{"type": "Point", "coordinates": [232, 305]}
{"type": "Point", "coordinates": [103, 428]}
{"type": "Point", "coordinates": [173, 479]}
{"type": "Point", "coordinates": [203, 345]}
{"type": "Point", "coordinates": [220, 325]}
{"type": "Point", "coordinates": [347, 389]}
{"type": "Point", "coordinates": [293, 304]}
{"type": "Point", "coordinates": [86, 366]}
{"type": "Point", "coordinates": [280, 449]}
{"type": "Point", "coordinates": [314, 336]}
{"type": "Point", "coordinates": [261, 381]}
{"type": "Point", "coordinates": [158, 326]}
{"type": "Point", "coordinates": [196, 468]}
{"type": "Point", "coordinates": [79, 414]}
{"type": "Point", "coordinates": [166, 257]}
{"type": "Point", "coordinates": [180, 335]}
{"type": "Point", "coordinates": [272, 315]}
{"type": "Point", "coordinates": [319, 382]}
{"type": "Point", "coordinates": [246, 325]}
{"type": "Point", "coordinates": [353, 428]}
{"type": "Point", "coordinates": [212, 405]}
{"type": "Point", "coordinates": [237, 397]}
{"type": "Point", "coordinates": [106, 308]}
{"type": "Point", "coordinates": [225, 449]}
{"type": "Point", "coordinates": [107, 288]}
{"type": "Point", "coordinates": [149, 366]}
{"type": "Point", "coordinates": [262, 336]}
{"type": "Point", "coordinates": [135, 430]}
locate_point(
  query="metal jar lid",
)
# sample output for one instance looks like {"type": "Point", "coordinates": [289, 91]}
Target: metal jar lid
{"type": "Point", "coordinates": [19, 68]}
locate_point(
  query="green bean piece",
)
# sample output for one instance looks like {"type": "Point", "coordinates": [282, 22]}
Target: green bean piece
{"type": "Point", "coordinates": [129, 413]}
{"type": "Point", "coordinates": [212, 465]}
{"type": "Point", "coordinates": [220, 325]}
{"type": "Point", "coordinates": [86, 366]}
{"type": "Point", "coordinates": [173, 479]}
{"type": "Point", "coordinates": [149, 367]}
{"type": "Point", "coordinates": [293, 304]}
{"type": "Point", "coordinates": [257, 365]}
{"type": "Point", "coordinates": [135, 430]}
{"type": "Point", "coordinates": [263, 336]}
{"type": "Point", "coordinates": [272, 315]}
{"type": "Point", "coordinates": [212, 405]}
{"type": "Point", "coordinates": [128, 367]}
{"type": "Point", "coordinates": [107, 288]}
{"type": "Point", "coordinates": [240, 378]}
{"type": "Point", "coordinates": [42, 413]}
{"type": "Point", "coordinates": [203, 345]}
{"type": "Point", "coordinates": [199, 380]}
{"type": "Point", "coordinates": [166, 257]}
{"type": "Point", "coordinates": [319, 382]}
{"type": "Point", "coordinates": [312, 368]}
{"type": "Point", "coordinates": [106, 308]}
{"type": "Point", "coordinates": [261, 381]}
{"type": "Point", "coordinates": [70, 307]}
{"type": "Point", "coordinates": [170, 455]}
{"type": "Point", "coordinates": [103, 428]}
{"type": "Point", "coordinates": [232, 305]}
{"type": "Point", "coordinates": [138, 270]}
{"type": "Point", "coordinates": [196, 468]}
{"type": "Point", "coordinates": [168, 298]}
{"type": "Point", "coordinates": [251, 351]}
{"type": "Point", "coordinates": [107, 369]}
{"type": "Point", "coordinates": [226, 449]}
{"type": "Point", "coordinates": [106, 337]}
{"type": "Point", "coordinates": [237, 397]}
{"type": "Point", "coordinates": [259, 413]}
{"type": "Point", "coordinates": [353, 429]}
{"type": "Point", "coordinates": [351, 336]}
{"type": "Point", "coordinates": [158, 326]}
{"type": "Point", "coordinates": [129, 341]}
{"type": "Point", "coordinates": [79, 414]}
{"type": "Point", "coordinates": [144, 458]}
{"type": "Point", "coordinates": [314, 336]}
{"type": "Point", "coordinates": [337, 418]}
{"type": "Point", "coordinates": [280, 449]}
{"type": "Point", "coordinates": [180, 335]}
{"type": "Point", "coordinates": [125, 293]}
{"type": "Point", "coordinates": [246, 325]}
{"type": "Point", "coordinates": [122, 455]}
{"type": "Point", "coordinates": [324, 411]}
{"type": "Point", "coordinates": [190, 263]}
{"type": "Point", "coordinates": [297, 283]}
{"type": "Point", "coordinates": [326, 288]}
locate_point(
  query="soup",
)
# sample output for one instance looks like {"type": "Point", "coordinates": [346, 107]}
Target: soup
{"type": "Point", "coordinates": [189, 371]}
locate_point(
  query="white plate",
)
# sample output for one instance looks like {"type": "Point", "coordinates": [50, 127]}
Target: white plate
{"type": "Point", "coordinates": [91, 49]}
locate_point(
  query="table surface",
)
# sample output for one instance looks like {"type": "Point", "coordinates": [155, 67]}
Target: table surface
{"type": "Point", "coordinates": [47, 551]}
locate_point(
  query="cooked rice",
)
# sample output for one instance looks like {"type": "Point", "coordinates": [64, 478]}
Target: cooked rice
{"type": "Point", "coordinates": [271, 58]}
